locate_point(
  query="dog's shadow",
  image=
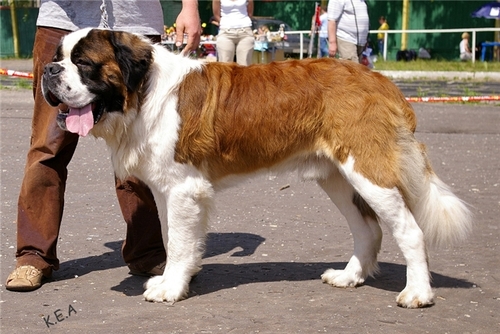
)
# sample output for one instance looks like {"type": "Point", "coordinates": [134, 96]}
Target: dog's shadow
{"type": "Point", "coordinates": [220, 276]}
{"type": "Point", "coordinates": [82, 266]}
{"type": "Point", "coordinates": [222, 243]}
{"type": "Point", "coordinates": [243, 244]}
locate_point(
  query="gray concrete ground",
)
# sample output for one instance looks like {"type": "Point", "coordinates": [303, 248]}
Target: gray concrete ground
{"type": "Point", "coordinates": [267, 247]}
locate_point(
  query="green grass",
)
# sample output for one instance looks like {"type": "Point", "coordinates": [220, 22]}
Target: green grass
{"type": "Point", "coordinates": [24, 83]}
{"type": "Point", "coordinates": [18, 84]}
{"type": "Point", "coordinates": [437, 65]}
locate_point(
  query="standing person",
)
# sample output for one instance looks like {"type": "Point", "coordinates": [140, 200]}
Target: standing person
{"type": "Point", "coordinates": [235, 30]}
{"type": "Point", "coordinates": [348, 26]}
{"type": "Point", "coordinates": [322, 32]}
{"type": "Point", "coordinates": [41, 200]}
{"type": "Point", "coordinates": [465, 52]}
{"type": "Point", "coordinates": [380, 36]}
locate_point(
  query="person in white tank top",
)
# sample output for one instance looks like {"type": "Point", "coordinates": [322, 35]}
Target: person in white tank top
{"type": "Point", "coordinates": [235, 30]}
{"type": "Point", "coordinates": [465, 52]}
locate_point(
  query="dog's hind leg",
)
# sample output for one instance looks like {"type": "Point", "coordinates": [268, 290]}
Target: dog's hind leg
{"type": "Point", "coordinates": [188, 208]}
{"type": "Point", "coordinates": [365, 230]}
{"type": "Point", "coordinates": [390, 207]}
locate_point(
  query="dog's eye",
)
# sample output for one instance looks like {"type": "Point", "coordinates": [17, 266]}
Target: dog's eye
{"type": "Point", "coordinates": [83, 62]}
{"type": "Point", "coordinates": [57, 57]}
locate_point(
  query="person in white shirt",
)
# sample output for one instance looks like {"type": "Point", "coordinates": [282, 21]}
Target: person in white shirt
{"type": "Point", "coordinates": [348, 26]}
{"type": "Point", "coordinates": [465, 52]}
{"type": "Point", "coordinates": [235, 30]}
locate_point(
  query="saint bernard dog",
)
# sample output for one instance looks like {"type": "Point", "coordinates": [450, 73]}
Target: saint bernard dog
{"type": "Point", "coordinates": [188, 128]}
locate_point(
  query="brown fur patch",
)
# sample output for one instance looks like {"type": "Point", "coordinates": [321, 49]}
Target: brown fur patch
{"type": "Point", "coordinates": [239, 119]}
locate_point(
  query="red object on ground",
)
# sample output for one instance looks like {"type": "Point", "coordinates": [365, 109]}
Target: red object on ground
{"type": "Point", "coordinates": [454, 98]}
{"type": "Point", "coordinates": [13, 73]}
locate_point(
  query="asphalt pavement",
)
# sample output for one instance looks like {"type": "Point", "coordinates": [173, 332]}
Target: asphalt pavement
{"type": "Point", "coordinates": [269, 241]}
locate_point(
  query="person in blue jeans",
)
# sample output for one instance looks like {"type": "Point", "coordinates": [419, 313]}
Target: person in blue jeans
{"type": "Point", "coordinates": [323, 33]}
{"type": "Point", "coordinates": [320, 25]}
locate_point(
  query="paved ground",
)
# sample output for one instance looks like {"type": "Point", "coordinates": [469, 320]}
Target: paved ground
{"type": "Point", "coordinates": [267, 248]}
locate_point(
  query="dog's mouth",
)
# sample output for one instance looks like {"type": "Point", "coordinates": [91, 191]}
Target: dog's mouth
{"type": "Point", "coordinates": [78, 120]}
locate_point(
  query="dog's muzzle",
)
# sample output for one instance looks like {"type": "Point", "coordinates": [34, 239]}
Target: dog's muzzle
{"type": "Point", "coordinates": [52, 69]}
{"type": "Point", "coordinates": [51, 79]}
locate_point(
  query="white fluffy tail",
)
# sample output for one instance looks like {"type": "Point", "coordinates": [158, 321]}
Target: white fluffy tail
{"type": "Point", "coordinates": [442, 216]}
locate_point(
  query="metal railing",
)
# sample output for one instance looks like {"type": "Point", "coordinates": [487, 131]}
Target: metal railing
{"type": "Point", "coordinates": [419, 31]}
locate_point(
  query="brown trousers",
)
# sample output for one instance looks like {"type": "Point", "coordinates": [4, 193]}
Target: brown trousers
{"type": "Point", "coordinates": [41, 200]}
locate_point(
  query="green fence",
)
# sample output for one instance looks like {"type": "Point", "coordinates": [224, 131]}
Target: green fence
{"type": "Point", "coordinates": [430, 14]}
{"type": "Point", "coordinates": [26, 22]}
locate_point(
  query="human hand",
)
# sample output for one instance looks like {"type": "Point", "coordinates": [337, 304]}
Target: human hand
{"type": "Point", "coordinates": [188, 22]}
{"type": "Point", "coordinates": [332, 48]}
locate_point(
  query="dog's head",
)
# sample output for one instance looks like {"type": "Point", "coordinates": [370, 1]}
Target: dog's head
{"type": "Point", "coordinates": [95, 72]}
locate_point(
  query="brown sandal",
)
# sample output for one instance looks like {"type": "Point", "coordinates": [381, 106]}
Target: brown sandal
{"type": "Point", "coordinates": [24, 278]}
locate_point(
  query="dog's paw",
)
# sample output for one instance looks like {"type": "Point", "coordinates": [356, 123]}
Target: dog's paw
{"type": "Point", "coordinates": [341, 278]}
{"type": "Point", "coordinates": [153, 281]}
{"type": "Point", "coordinates": [160, 289]}
{"type": "Point", "coordinates": [415, 298]}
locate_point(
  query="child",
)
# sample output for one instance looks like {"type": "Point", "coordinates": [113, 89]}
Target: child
{"type": "Point", "coordinates": [465, 53]}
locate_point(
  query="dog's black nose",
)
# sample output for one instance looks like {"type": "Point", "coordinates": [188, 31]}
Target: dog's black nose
{"type": "Point", "coordinates": [52, 69]}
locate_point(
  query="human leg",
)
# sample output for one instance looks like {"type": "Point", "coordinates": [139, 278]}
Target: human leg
{"type": "Point", "coordinates": [225, 46]}
{"type": "Point", "coordinates": [323, 47]}
{"type": "Point", "coordinates": [380, 46]}
{"type": "Point", "coordinates": [41, 199]}
{"type": "Point", "coordinates": [465, 56]}
{"type": "Point", "coordinates": [143, 248]}
{"type": "Point", "coordinates": [349, 51]}
{"type": "Point", "coordinates": [244, 47]}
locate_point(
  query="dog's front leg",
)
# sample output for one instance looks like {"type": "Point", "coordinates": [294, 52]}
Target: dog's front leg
{"type": "Point", "coordinates": [187, 211]}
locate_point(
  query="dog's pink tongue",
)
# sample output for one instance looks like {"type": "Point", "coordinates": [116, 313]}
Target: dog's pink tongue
{"type": "Point", "coordinates": [80, 120]}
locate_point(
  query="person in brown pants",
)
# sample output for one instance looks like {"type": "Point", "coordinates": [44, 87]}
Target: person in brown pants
{"type": "Point", "coordinates": [41, 199]}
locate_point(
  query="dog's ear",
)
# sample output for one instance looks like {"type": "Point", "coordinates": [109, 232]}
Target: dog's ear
{"type": "Point", "coordinates": [134, 55]}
